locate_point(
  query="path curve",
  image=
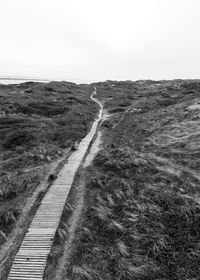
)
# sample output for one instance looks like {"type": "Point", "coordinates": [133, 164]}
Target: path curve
{"type": "Point", "coordinates": [30, 261]}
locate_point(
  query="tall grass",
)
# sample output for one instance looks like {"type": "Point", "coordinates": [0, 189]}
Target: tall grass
{"type": "Point", "coordinates": [151, 232]}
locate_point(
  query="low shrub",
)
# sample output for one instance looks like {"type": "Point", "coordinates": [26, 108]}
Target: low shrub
{"type": "Point", "coordinates": [17, 138]}
{"type": "Point", "coordinates": [45, 109]}
{"type": "Point", "coordinates": [61, 136]}
{"type": "Point", "coordinates": [7, 222]}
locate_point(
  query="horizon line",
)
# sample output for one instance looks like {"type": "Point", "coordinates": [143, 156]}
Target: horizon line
{"type": "Point", "coordinates": [87, 81]}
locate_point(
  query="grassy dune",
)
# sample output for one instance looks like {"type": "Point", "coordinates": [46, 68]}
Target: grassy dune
{"type": "Point", "coordinates": [142, 218]}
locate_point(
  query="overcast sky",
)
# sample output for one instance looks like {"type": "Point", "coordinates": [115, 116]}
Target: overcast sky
{"type": "Point", "coordinates": [93, 40]}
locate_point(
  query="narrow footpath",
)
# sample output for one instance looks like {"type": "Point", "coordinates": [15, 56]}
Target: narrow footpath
{"type": "Point", "coordinates": [30, 261]}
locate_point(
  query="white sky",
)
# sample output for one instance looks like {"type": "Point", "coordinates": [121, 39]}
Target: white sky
{"type": "Point", "coordinates": [93, 40]}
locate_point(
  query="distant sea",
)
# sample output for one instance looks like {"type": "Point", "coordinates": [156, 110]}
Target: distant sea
{"type": "Point", "coordinates": [15, 81]}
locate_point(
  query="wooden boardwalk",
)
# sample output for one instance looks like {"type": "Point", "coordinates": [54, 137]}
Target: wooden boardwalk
{"type": "Point", "coordinates": [30, 261]}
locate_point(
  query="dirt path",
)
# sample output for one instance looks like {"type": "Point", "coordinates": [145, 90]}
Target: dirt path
{"type": "Point", "coordinates": [76, 218]}
{"type": "Point", "coordinates": [30, 261]}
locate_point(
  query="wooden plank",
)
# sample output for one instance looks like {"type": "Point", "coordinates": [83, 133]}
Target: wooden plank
{"type": "Point", "coordinates": [24, 278]}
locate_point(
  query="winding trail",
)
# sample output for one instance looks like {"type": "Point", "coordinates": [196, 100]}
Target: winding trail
{"type": "Point", "coordinates": [30, 261]}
